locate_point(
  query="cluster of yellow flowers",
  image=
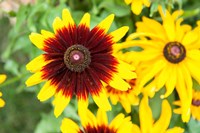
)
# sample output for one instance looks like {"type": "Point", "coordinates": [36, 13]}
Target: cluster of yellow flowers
{"type": "Point", "coordinates": [79, 61]}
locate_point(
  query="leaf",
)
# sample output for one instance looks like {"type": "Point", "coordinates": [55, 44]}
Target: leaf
{"type": "Point", "coordinates": [194, 126]}
{"type": "Point", "coordinates": [49, 124]}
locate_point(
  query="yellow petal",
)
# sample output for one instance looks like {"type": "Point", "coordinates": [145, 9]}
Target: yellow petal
{"type": "Point", "coordinates": [37, 64]}
{"type": "Point", "coordinates": [163, 122]}
{"type": "Point", "coordinates": [106, 23]}
{"type": "Point", "coordinates": [69, 126]}
{"type": "Point", "coordinates": [136, 6]}
{"type": "Point", "coordinates": [118, 83]}
{"type": "Point", "coordinates": [47, 91]}
{"type": "Point", "coordinates": [37, 40]}
{"type": "Point", "coordinates": [117, 121]}
{"type": "Point", "coordinates": [85, 20]}
{"type": "Point", "coordinates": [168, 23]}
{"type": "Point", "coordinates": [60, 102]}
{"type": "Point", "coordinates": [126, 127]}
{"type": "Point", "coordinates": [135, 129]}
{"type": "Point", "coordinates": [119, 33]}
{"type": "Point", "coordinates": [67, 18]}
{"type": "Point", "coordinates": [171, 82]}
{"type": "Point", "coordinates": [102, 101]}
{"type": "Point", "coordinates": [156, 68]}
{"type": "Point", "coordinates": [35, 79]}
{"type": "Point", "coordinates": [147, 3]}
{"type": "Point", "coordinates": [190, 38]}
{"type": "Point", "coordinates": [175, 130]}
{"type": "Point", "coordinates": [164, 75]}
{"type": "Point", "coordinates": [124, 72]}
{"type": "Point", "coordinates": [46, 34]}
{"type": "Point", "coordinates": [2, 78]}
{"type": "Point", "coordinates": [87, 118]}
{"type": "Point", "coordinates": [128, 1]}
{"type": "Point", "coordinates": [2, 103]}
{"type": "Point", "coordinates": [102, 117]}
{"type": "Point", "coordinates": [145, 115]}
{"type": "Point", "coordinates": [57, 24]}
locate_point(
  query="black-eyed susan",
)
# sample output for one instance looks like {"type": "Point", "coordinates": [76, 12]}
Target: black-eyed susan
{"type": "Point", "coordinates": [77, 61]}
{"type": "Point", "coordinates": [195, 105]}
{"type": "Point", "coordinates": [129, 97]}
{"type": "Point", "coordinates": [147, 122]}
{"type": "Point", "coordinates": [170, 55]}
{"type": "Point", "coordinates": [2, 79]}
{"type": "Point", "coordinates": [98, 124]}
{"type": "Point", "coordinates": [137, 5]}
{"type": "Point", "coordinates": [126, 98]}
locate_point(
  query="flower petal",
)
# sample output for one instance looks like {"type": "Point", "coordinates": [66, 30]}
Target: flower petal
{"type": "Point", "coordinates": [47, 91]}
{"type": "Point", "coordinates": [85, 20]}
{"type": "Point", "coordinates": [35, 79]}
{"type": "Point", "coordinates": [60, 102]}
{"type": "Point", "coordinates": [106, 23]}
{"type": "Point", "coordinates": [69, 126]}
{"type": "Point", "coordinates": [119, 33]}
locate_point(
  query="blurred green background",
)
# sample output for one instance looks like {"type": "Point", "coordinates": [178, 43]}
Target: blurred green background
{"type": "Point", "coordinates": [23, 113]}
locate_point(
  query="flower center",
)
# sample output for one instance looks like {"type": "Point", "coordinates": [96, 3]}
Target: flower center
{"type": "Point", "coordinates": [195, 102]}
{"type": "Point", "coordinates": [174, 52]}
{"type": "Point", "coordinates": [77, 58]}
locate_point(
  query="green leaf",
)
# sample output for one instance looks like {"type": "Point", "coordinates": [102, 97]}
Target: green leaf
{"type": "Point", "coordinates": [194, 126]}
{"type": "Point", "coordinates": [49, 124]}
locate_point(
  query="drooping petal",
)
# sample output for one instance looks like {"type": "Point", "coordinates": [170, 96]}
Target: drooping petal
{"type": "Point", "coordinates": [136, 6]}
{"type": "Point", "coordinates": [35, 79]}
{"type": "Point", "coordinates": [102, 117]}
{"type": "Point", "coordinates": [164, 119]}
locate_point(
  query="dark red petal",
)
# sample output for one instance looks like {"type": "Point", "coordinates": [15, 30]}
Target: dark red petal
{"type": "Point", "coordinates": [92, 82]}
{"type": "Point", "coordinates": [83, 34]}
{"type": "Point", "coordinates": [81, 90]}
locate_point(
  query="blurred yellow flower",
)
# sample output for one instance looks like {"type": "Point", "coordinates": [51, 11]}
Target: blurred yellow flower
{"type": "Point", "coordinates": [170, 56]}
{"type": "Point", "coordinates": [149, 125]}
{"type": "Point", "coordinates": [195, 106]}
{"type": "Point", "coordinates": [98, 124]}
{"type": "Point", "coordinates": [2, 79]}
{"type": "Point", "coordinates": [137, 5]}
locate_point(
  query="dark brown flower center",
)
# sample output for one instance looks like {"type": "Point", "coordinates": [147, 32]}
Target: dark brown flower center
{"type": "Point", "coordinates": [195, 102]}
{"type": "Point", "coordinates": [77, 58]}
{"type": "Point", "coordinates": [174, 52]}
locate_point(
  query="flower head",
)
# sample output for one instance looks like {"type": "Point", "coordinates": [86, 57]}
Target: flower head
{"type": "Point", "coordinates": [125, 98]}
{"type": "Point", "coordinates": [137, 5]}
{"type": "Point", "coordinates": [98, 124]}
{"type": "Point", "coordinates": [77, 61]}
{"type": "Point", "coordinates": [147, 122]}
{"type": "Point", "coordinates": [195, 105]}
{"type": "Point", "coordinates": [170, 57]}
{"type": "Point", "coordinates": [2, 79]}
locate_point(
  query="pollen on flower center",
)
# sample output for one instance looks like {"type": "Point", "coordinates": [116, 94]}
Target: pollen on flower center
{"type": "Point", "coordinates": [77, 58]}
{"type": "Point", "coordinates": [174, 52]}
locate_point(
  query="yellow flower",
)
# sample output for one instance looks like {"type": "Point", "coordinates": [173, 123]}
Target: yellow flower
{"type": "Point", "coordinates": [170, 56]}
{"type": "Point", "coordinates": [137, 5]}
{"type": "Point", "coordinates": [195, 106]}
{"type": "Point", "coordinates": [149, 125]}
{"type": "Point", "coordinates": [125, 98]}
{"type": "Point", "coordinates": [2, 79]}
{"type": "Point", "coordinates": [98, 124]}
{"type": "Point", "coordinates": [77, 61]}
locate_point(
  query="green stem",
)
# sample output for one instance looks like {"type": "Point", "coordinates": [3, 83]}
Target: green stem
{"type": "Point", "coordinates": [12, 80]}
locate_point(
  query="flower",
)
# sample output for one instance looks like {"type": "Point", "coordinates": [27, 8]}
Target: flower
{"type": "Point", "coordinates": [137, 5]}
{"type": "Point", "coordinates": [170, 56]}
{"type": "Point", "coordinates": [98, 124]}
{"type": "Point", "coordinates": [195, 105]}
{"type": "Point", "coordinates": [149, 125]}
{"type": "Point", "coordinates": [129, 97]}
{"type": "Point", "coordinates": [2, 79]}
{"type": "Point", "coordinates": [126, 98]}
{"type": "Point", "coordinates": [77, 61]}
